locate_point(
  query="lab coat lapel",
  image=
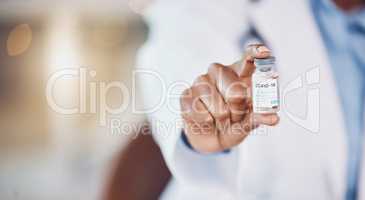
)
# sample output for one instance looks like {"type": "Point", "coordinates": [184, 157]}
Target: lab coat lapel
{"type": "Point", "coordinates": [295, 40]}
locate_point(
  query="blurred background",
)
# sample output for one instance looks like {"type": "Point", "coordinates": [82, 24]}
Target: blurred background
{"type": "Point", "coordinates": [44, 154]}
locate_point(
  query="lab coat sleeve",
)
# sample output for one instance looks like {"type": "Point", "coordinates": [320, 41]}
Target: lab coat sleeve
{"type": "Point", "coordinates": [184, 38]}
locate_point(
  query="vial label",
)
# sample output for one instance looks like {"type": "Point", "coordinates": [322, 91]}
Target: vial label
{"type": "Point", "coordinates": [265, 95]}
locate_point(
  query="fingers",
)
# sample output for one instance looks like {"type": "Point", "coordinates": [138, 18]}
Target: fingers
{"type": "Point", "coordinates": [217, 109]}
{"type": "Point", "coordinates": [212, 100]}
{"type": "Point", "coordinates": [202, 132]}
{"type": "Point", "coordinates": [199, 124]}
{"type": "Point", "coordinates": [193, 109]}
{"type": "Point", "coordinates": [246, 67]}
{"type": "Point", "coordinates": [233, 90]}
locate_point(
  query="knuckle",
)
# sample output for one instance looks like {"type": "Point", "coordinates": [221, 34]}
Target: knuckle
{"type": "Point", "coordinates": [236, 96]}
{"type": "Point", "coordinates": [215, 68]}
{"type": "Point", "coordinates": [204, 89]}
{"type": "Point", "coordinates": [202, 84]}
{"type": "Point", "coordinates": [236, 92]}
{"type": "Point", "coordinates": [236, 100]}
{"type": "Point", "coordinates": [204, 78]}
{"type": "Point", "coordinates": [222, 115]}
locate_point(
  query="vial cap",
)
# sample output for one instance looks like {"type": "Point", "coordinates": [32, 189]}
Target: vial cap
{"type": "Point", "coordinates": [264, 61]}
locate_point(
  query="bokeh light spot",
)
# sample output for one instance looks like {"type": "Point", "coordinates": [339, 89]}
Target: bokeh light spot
{"type": "Point", "coordinates": [19, 40]}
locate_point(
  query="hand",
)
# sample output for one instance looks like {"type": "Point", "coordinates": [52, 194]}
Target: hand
{"type": "Point", "coordinates": [217, 108]}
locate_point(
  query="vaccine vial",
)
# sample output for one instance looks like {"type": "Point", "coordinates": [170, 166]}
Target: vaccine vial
{"type": "Point", "coordinates": [265, 88]}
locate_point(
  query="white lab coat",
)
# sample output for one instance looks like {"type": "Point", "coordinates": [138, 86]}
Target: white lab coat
{"type": "Point", "coordinates": [296, 159]}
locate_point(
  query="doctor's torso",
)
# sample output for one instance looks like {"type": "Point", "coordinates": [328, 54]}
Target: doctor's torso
{"type": "Point", "coordinates": [304, 157]}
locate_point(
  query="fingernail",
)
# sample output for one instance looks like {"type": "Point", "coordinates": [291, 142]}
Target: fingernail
{"type": "Point", "coordinates": [263, 49]}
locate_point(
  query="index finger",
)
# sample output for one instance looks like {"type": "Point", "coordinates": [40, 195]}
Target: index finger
{"type": "Point", "coordinates": [245, 67]}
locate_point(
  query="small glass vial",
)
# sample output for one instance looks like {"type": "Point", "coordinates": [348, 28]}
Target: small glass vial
{"type": "Point", "coordinates": [265, 88]}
